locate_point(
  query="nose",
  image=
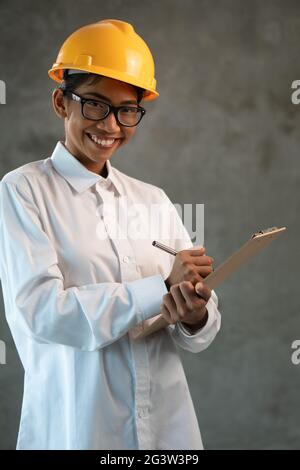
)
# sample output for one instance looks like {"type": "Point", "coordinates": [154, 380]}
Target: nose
{"type": "Point", "coordinates": [110, 124]}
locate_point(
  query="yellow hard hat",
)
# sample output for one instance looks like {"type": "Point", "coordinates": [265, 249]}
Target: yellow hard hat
{"type": "Point", "coordinates": [110, 48]}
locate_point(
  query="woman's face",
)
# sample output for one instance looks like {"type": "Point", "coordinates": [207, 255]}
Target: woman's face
{"type": "Point", "coordinates": [78, 129]}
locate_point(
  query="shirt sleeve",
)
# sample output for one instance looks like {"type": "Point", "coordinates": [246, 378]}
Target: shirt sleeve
{"type": "Point", "coordinates": [87, 317]}
{"type": "Point", "coordinates": [202, 338]}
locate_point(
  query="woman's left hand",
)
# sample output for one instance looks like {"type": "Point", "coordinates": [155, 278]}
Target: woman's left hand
{"type": "Point", "coordinates": [182, 303]}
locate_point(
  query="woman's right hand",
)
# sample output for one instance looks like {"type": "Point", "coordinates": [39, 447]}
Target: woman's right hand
{"type": "Point", "coordinates": [190, 265]}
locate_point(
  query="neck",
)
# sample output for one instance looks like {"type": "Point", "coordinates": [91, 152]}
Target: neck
{"type": "Point", "coordinates": [104, 172]}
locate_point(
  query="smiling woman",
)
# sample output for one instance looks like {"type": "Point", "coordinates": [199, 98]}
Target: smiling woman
{"type": "Point", "coordinates": [75, 292]}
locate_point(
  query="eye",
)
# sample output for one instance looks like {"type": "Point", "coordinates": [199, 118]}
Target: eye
{"type": "Point", "coordinates": [129, 109]}
{"type": "Point", "coordinates": [96, 104]}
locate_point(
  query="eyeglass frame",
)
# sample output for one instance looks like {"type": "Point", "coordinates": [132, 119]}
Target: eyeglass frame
{"type": "Point", "coordinates": [111, 108]}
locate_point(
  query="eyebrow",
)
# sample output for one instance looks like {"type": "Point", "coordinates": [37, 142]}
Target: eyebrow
{"type": "Point", "coordinates": [107, 99]}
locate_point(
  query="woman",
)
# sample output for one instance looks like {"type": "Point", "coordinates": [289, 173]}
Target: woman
{"type": "Point", "coordinates": [77, 287]}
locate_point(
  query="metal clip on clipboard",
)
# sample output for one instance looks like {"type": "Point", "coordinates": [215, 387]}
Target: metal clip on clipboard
{"type": "Point", "coordinates": [256, 243]}
{"type": "Point", "coordinates": [267, 230]}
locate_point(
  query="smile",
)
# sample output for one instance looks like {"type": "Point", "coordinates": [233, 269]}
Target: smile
{"type": "Point", "coordinates": [101, 142]}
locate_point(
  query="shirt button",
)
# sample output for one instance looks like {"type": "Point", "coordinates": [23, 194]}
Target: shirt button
{"type": "Point", "coordinates": [125, 259]}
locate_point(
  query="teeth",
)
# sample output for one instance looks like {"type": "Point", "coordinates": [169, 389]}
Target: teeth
{"type": "Point", "coordinates": [105, 143]}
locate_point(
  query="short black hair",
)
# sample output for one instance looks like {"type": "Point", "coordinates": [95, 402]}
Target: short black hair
{"type": "Point", "coordinates": [71, 82]}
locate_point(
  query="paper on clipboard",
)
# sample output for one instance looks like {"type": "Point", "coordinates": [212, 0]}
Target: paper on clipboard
{"type": "Point", "coordinates": [257, 242]}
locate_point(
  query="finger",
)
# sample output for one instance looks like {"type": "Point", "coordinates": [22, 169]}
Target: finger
{"type": "Point", "coordinates": [179, 299]}
{"type": "Point", "coordinates": [169, 302]}
{"type": "Point", "coordinates": [197, 251]}
{"type": "Point", "coordinates": [203, 260]}
{"type": "Point", "coordinates": [194, 251]}
{"type": "Point", "coordinates": [203, 290]}
{"type": "Point", "coordinates": [205, 271]}
{"type": "Point", "coordinates": [191, 298]}
{"type": "Point", "coordinates": [166, 314]}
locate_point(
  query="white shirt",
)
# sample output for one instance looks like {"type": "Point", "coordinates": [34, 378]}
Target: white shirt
{"type": "Point", "coordinates": [72, 300]}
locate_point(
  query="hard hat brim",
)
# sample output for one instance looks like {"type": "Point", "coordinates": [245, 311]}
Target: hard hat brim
{"type": "Point", "coordinates": [56, 73]}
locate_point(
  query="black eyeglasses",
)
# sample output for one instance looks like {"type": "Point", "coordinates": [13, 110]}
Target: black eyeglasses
{"type": "Point", "coordinates": [96, 110]}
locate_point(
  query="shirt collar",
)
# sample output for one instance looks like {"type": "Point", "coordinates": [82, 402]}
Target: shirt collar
{"type": "Point", "coordinates": [76, 173]}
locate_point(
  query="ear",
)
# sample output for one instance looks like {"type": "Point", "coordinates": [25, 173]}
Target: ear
{"type": "Point", "coordinates": [58, 103]}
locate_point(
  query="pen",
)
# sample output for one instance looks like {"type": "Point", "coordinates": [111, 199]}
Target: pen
{"type": "Point", "coordinates": [164, 248]}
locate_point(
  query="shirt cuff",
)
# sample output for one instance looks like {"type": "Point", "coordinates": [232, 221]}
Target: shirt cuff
{"type": "Point", "coordinates": [148, 293]}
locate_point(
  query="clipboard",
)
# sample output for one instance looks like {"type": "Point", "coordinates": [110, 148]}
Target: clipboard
{"type": "Point", "coordinates": [255, 244]}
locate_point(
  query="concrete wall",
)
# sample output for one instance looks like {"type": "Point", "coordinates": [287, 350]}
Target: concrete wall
{"type": "Point", "coordinates": [224, 133]}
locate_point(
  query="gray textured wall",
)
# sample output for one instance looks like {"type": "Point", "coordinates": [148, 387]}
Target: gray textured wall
{"type": "Point", "coordinates": [224, 133]}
